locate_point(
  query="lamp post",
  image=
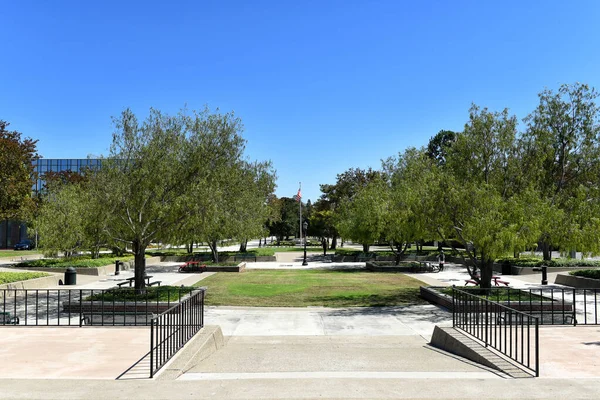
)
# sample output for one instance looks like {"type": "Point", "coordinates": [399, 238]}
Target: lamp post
{"type": "Point", "coordinates": [304, 228]}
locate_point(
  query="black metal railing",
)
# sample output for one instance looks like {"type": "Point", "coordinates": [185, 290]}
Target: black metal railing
{"type": "Point", "coordinates": [552, 305]}
{"type": "Point", "coordinates": [77, 307]}
{"type": "Point", "coordinates": [172, 329]}
{"type": "Point", "coordinates": [510, 332]}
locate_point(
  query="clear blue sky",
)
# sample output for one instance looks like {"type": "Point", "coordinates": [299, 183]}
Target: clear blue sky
{"type": "Point", "coordinates": [322, 86]}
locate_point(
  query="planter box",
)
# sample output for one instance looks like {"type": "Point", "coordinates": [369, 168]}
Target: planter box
{"type": "Point", "coordinates": [579, 282]}
{"type": "Point", "coordinates": [432, 295]}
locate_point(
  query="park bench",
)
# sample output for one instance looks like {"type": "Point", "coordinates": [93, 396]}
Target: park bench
{"type": "Point", "coordinates": [130, 281]}
{"type": "Point", "coordinates": [157, 283]}
{"type": "Point", "coordinates": [244, 257]}
{"type": "Point", "coordinates": [192, 266]}
{"type": "Point", "coordinates": [496, 279]}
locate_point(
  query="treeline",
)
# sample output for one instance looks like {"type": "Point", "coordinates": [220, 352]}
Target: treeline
{"type": "Point", "coordinates": [497, 187]}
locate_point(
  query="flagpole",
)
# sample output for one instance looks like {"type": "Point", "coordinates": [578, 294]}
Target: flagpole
{"type": "Point", "coordinates": [300, 213]}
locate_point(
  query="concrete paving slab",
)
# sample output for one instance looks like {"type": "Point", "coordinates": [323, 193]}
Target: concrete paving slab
{"type": "Point", "coordinates": [375, 321]}
{"type": "Point", "coordinates": [267, 354]}
{"type": "Point", "coordinates": [70, 352]}
{"type": "Point", "coordinates": [570, 352]}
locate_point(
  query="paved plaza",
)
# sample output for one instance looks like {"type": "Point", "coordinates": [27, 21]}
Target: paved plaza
{"type": "Point", "coordinates": [290, 353]}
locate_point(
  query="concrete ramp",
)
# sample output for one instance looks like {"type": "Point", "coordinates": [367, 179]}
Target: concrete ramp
{"type": "Point", "coordinates": [453, 341]}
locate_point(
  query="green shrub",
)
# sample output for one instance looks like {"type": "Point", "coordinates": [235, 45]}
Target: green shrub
{"type": "Point", "coordinates": [556, 263]}
{"type": "Point", "coordinates": [152, 293]}
{"type": "Point", "coordinates": [76, 262]}
{"type": "Point", "coordinates": [587, 273]}
{"type": "Point", "coordinates": [10, 277]}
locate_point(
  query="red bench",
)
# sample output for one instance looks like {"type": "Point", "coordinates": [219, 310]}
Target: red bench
{"type": "Point", "coordinates": [192, 266]}
{"type": "Point", "coordinates": [497, 281]}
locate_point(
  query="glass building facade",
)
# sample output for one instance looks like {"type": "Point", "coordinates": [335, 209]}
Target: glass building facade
{"type": "Point", "coordinates": [12, 232]}
{"type": "Point", "coordinates": [44, 165]}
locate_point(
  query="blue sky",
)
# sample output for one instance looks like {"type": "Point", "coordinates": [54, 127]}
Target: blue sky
{"type": "Point", "coordinates": [322, 86]}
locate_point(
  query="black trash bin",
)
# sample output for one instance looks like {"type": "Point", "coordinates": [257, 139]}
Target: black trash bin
{"type": "Point", "coordinates": [506, 268]}
{"type": "Point", "coordinates": [70, 276]}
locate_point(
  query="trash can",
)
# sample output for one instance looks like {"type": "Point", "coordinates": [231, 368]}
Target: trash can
{"type": "Point", "coordinates": [70, 276]}
{"type": "Point", "coordinates": [506, 268]}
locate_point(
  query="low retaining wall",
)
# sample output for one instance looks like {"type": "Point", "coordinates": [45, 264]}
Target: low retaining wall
{"type": "Point", "coordinates": [94, 271]}
{"type": "Point", "coordinates": [432, 295]}
{"type": "Point", "coordinates": [579, 282]}
{"type": "Point", "coordinates": [37, 283]}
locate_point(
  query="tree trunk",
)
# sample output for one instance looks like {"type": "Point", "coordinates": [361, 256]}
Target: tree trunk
{"type": "Point", "coordinates": [243, 245]}
{"type": "Point", "coordinates": [547, 251]}
{"type": "Point", "coordinates": [324, 244]}
{"type": "Point", "coordinates": [260, 243]}
{"type": "Point", "coordinates": [366, 247]}
{"type": "Point", "coordinates": [486, 272]}
{"type": "Point", "coordinates": [139, 254]}
{"type": "Point", "coordinates": [333, 243]}
{"type": "Point", "coordinates": [189, 247]}
{"type": "Point", "coordinates": [213, 248]}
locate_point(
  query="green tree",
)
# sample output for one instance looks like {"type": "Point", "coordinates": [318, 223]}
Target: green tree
{"type": "Point", "coordinates": [363, 217]}
{"type": "Point", "coordinates": [562, 153]}
{"type": "Point", "coordinates": [16, 173]}
{"type": "Point", "coordinates": [439, 145]}
{"type": "Point", "coordinates": [477, 200]}
{"type": "Point", "coordinates": [347, 185]}
{"type": "Point", "coordinates": [164, 172]}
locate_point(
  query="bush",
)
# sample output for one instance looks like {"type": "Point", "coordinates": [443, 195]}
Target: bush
{"type": "Point", "coordinates": [587, 273]}
{"type": "Point", "coordinates": [556, 263]}
{"type": "Point", "coordinates": [76, 262]}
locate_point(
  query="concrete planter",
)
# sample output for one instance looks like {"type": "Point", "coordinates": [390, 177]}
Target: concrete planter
{"type": "Point", "coordinates": [432, 295]}
{"type": "Point", "coordinates": [579, 282]}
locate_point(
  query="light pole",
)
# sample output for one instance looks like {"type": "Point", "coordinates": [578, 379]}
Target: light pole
{"type": "Point", "coordinates": [305, 228]}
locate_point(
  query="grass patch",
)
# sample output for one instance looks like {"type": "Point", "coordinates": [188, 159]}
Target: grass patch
{"type": "Point", "coordinates": [10, 277]}
{"type": "Point", "coordinates": [77, 262]}
{"type": "Point", "coordinates": [500, 294]}
{"type": "Point", "coordinates": [152, 293]}
{"type": "Point", "coordinates": [13, 253]}
{"type": "Point", "coordinates": [587, 273]}
{"type": "Point", "coordinates": [302, 288]}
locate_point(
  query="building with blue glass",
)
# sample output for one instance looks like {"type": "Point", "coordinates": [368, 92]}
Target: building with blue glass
{"type": "Point", "coordinates": [12, 232]}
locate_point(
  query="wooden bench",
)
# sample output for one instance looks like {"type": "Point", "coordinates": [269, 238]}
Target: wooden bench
{"type": "Point", "coordinates": [192, 266]}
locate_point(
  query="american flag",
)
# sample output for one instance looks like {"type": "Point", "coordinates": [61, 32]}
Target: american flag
{"type": "Point", "coordinates": [298, 196]}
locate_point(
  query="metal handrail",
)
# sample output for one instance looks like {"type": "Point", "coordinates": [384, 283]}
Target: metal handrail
{"type": "Point", "coordinates": [498, 326]}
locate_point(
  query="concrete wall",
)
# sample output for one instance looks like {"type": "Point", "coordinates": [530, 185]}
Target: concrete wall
{"type": "Point", "coordinates": [578, 282]}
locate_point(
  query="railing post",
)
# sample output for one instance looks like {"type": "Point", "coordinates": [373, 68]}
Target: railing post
{"type": "Point", "coordinates": [574, 307]}
{"type": "Point", "coordinates": [537, 347]}
{"type": "Point", "coordinates": [486, 322]}
{"type": "Point", "coordinates": [453, 305]}
{"type": "Point", "coordinates": [152, 348]}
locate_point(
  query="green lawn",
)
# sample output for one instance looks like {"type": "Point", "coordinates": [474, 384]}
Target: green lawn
{"type": "Point", "coordinates": [12, 253]}
{"type": "Point", "coordinates": [10, 277]}
{"type": "Point", "coordinates": [328, 288]}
